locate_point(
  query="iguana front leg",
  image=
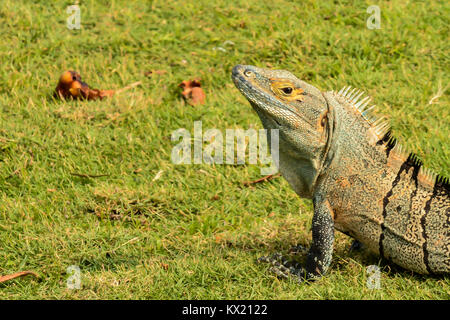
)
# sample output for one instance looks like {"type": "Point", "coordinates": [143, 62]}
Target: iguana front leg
{"type": "Point", "coordinates": [320, 253]}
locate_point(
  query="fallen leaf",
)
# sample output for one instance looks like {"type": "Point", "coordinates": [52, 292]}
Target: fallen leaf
{"type": "Point", "coordinates": [158, 175]}
{"type": "Point", "coordinates": [219, 49]}
{"type": "Point", "coordinates": [193, 92]}
{"type": "Point", "coordinates": [158, 72]}
{"type": "Point", "coordinates": [228, 43]}
{"type": "Point", "coordinates": [17, 275]}
{"type": "Point", "coordinates": [164, 266]}
{"type": "Point", "coordinates": [70, 85]}
{"type": "Point", "coordinates": [266, 178]}
{"type": "Point", "coordinates": [198, 96]}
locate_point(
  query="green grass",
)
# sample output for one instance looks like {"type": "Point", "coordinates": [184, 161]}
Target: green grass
{"type": "Point", "coordinates": [196, 231]}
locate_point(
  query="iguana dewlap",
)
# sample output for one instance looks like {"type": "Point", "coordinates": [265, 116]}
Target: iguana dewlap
{"type": "Point", "coordinates": [362, 183]}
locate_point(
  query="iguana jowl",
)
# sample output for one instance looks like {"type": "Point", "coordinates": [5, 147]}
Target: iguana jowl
{"type": "Point", "coordinates": [362, 183]}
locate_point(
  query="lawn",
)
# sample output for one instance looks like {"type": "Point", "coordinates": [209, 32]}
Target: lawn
{"type": "Point", "coordinates": [91, 183]}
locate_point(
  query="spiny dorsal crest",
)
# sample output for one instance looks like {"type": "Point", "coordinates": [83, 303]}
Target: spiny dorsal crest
{"type": "Point", "coordinates": [352, 97]}
{"type": "Point", "coordinates": [381, 128]}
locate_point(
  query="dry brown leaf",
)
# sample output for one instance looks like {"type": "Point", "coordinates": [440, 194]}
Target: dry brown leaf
{"type": "Point", "coordinates": [17, 275]}
{"type": "Point", "coordinates": [198, 96]}
{"type": "Point", "coordinates": [71, 86]}
{"type": "Point", "coordinates": [266, 178]}
{"type": "Point", "coordinates": [158, 72]}
{"type": "Point", "coordinates": [192, 92]}
{"type": "Point", "coordinates": [215, 197]}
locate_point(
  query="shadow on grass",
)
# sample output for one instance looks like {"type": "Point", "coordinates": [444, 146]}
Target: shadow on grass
{"type": "Point", "coordinates": [362, 257]}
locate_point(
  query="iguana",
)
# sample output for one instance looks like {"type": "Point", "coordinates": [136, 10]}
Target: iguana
{"type": "Point", "coordinates": [362, 183]}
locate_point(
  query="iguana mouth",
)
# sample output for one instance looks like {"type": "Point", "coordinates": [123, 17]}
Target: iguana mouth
{"type": "Point", "coordinates": [277, 122]}
{"type": "Point", "coordinates": [268, 116]}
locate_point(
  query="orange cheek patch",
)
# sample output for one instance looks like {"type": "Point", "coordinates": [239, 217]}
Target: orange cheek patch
{"type": "Point", "coordinates": [321, 122]}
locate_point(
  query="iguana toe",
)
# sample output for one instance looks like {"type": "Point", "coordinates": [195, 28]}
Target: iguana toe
{"type": "Point", "coordinates": [299, 250]}
{"type": "Point", "coordinates": [284, 268]}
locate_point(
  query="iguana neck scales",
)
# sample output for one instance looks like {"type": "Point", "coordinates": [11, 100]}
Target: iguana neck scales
{"type": "Point", "coordinates": [333, 150]}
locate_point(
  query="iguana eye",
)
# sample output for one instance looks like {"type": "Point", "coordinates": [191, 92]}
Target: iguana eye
{"type": "Point", "coordinates": [287, 90]}
{"type": "Point", "coordinates": [248, 73]}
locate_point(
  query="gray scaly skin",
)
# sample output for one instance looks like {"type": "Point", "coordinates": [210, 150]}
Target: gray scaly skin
{"type": "Point", "coordinates": [361, 182]}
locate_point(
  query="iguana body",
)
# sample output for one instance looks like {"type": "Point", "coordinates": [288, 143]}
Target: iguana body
{"type": "Point", "coordinates": [360, 180]}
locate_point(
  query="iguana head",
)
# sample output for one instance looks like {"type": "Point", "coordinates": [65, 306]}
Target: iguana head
{"type": "Point", "coordinates": [297, 109]}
